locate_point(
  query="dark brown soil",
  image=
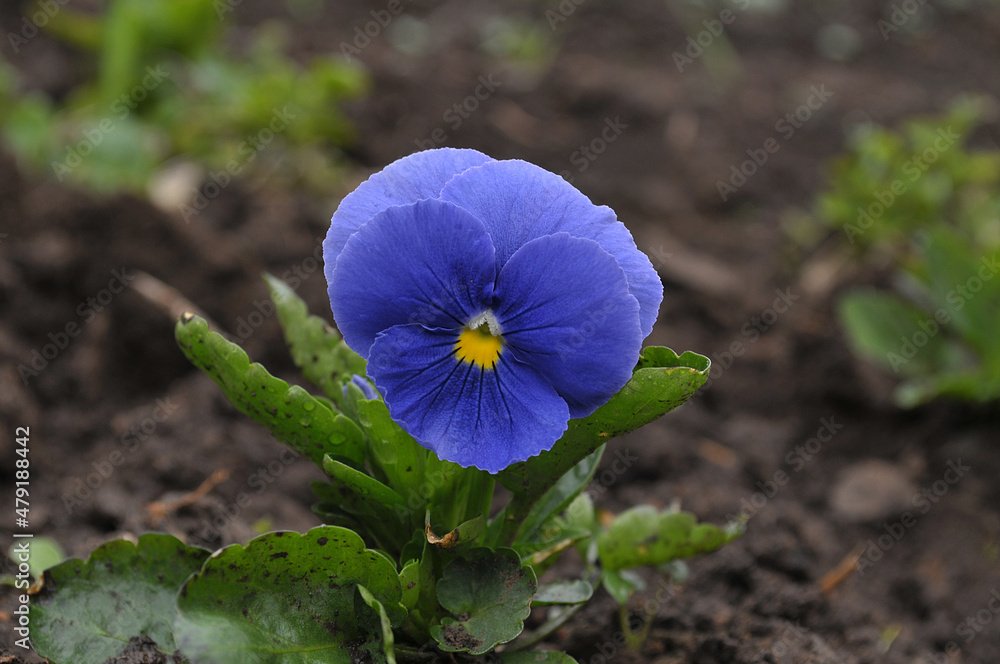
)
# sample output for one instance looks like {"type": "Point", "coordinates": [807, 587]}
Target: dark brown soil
{"type": "Point", "coordinates": [119, 419]}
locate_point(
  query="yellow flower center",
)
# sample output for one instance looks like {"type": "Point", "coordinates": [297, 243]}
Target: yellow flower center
{"type": "Point", "coordinates": [479, 346]}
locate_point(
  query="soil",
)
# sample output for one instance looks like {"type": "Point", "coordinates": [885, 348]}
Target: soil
{"type": "Point", "coordinates": [787, 430]}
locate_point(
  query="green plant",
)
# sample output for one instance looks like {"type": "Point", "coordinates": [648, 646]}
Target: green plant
{"type": "Point", "coordinates": [411, 554]}
{"type": "Point", "coordinates": [925, 201]}
{"type": "Point", "coordinates": [492, 320]}
{"type": "Point", "coordinates": [165, 87]}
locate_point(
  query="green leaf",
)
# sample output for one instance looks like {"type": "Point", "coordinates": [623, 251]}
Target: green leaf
{"type": "Point", "coordinates": [969, 386]}
{"type": "Point", "coordinates": [87, 611]}
{"type": "Point", "coordinates": [576, 591]}
{"type": "Point", "coordinates": [642, 536]}
{"type": "Point", "coordinates": [388, 640]}
{"type": "Point", "coordinates": [416, 473]}
{"type": "Point", "coordinates": [122, 38]}
{"type": "Point", "coordinates": [544, 550]}
{"type": "Point", "coordinates": [290, 598]}
{"type": "Point", "coordinates": [418, 582]}
{"type": "Point", "coordinates": [621, 584]}
{"type": "Point", "coordinates": [879, 327]}
{"type": "Point", "coordinates": [305, 423]}
{"type": "Point", "coordinates": [76, 28]}
{"type": "Point", "coordinates": [398, 456]}
{"type": "Point", "coordinates": [659, 357]}
{"type": "Point", "coordinates": [489, 592]}
{"type": "Point", "coordinates": [536, 657]}
{"type": "Point", "coordinates": [360, 502]}
{"type": "Point", "coordinates": [351, 395]}
{"type": "Point", "coordinates": [409, 582]}
{"type": "Point", "coordinates": [316, 347]}
{"type": "Point", "coordinates": [581, 514]}
{"type": "Point", "coordinates": [973, 303]}
{"type": "Point", "coordinates": [560, 495]}
{"type": "Point", "coordinates": [374, 493]}
{"type": "Point", "coordinates": [43, 553]}
{"type": "Point", "coordinates": [661, 382]}
{"type": "Point", "coordinates": [338, 506]}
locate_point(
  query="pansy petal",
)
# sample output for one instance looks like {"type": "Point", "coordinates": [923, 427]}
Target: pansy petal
{"type": "Point", "coordinates": [487, 418]}
{"type": "Point", "coordinates": [407, 180]}
{"type": "Point", "coordinates": [519, 202]}
{"type": "Point", "coordinates": [564, 308]}
{"type": "Point", "coordinates": [430, 263]}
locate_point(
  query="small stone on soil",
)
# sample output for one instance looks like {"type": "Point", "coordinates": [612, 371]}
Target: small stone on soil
{"type": "Point", "coordinates": [871, 490]}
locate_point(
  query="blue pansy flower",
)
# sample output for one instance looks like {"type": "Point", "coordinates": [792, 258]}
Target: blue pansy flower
{"type": "Point", "coordinates": [492, 300]}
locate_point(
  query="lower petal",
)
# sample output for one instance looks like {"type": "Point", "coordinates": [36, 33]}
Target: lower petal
{"type": "Point", "coordinates": [487, 418]}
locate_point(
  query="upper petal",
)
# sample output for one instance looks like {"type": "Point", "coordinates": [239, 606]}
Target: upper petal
{"type": "Point", "coordinates": [487, 418]}
{"type": "Point", "coordinates": [430, 263]}
{"type": "Point", "coordinates": [519, 202]}
{"type": "Point", "coordinates": [410, 179]}
{"type": "Point", "coordinates": [565, 309]}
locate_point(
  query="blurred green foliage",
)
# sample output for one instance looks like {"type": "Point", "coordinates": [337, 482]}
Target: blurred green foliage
{"type": "Point", "coordinates": [40, 554]}
{"type": "Point", "coordinates": [521, 42]}
{"type": "Point", "coordinates": [923, 200]}
{"type": "Point", "coordinates": [165, 85]}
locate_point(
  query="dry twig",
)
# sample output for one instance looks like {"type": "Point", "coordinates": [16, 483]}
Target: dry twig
{"type": "Point", "coordinates": [159, 509]}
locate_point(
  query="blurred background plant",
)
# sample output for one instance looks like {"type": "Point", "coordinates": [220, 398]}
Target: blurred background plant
{"type": "Point", "coordinates": [168, 95]}
{"type": "Point", "coordinates": [923, 202]}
